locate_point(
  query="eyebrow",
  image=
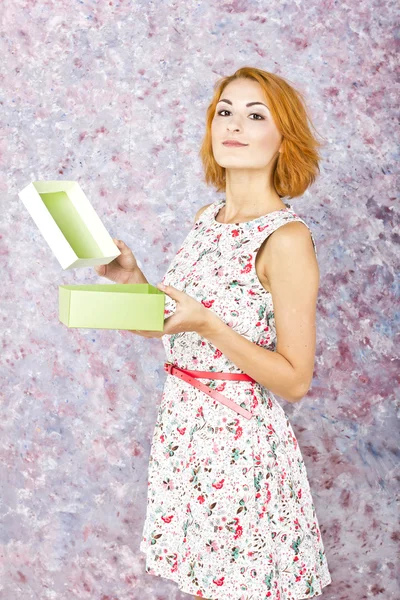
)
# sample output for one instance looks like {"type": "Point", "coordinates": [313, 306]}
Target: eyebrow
{"type": "Point", "coordinates": [249, 104]}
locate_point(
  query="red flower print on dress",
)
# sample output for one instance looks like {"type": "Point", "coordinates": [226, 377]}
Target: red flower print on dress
{"type": "Point", "coordinates": [219, 485]}
{"type": "Point", "coordinates": [174, 567]}
{"type": "Point", "coordinates": [293, 439]}
{"type": "Point", "coordinates": [235, 232]}
{"type": "Point", "coordinates": [219, 582]}
{"type": "Point", "coordinates": [207, 303]}
{"type": "Point", "coordinates": [254, 403]}
{"type": "Point", "coordinates": [239, 431]}
{"type": "Point", "coordinates": [200, 412]}
{"type": "Point", "coordinates": [220, 387]}
{"type": "Point", "coordinates": [182, 430]}
{"type": "Point", "coordinates": [269, 495]}
{"type": "Point", "coordinates": [238, 532]}
{"type": "Point", "coordinates": [247, 268]}
{"type": "Point", "coordinates": [167, 519]}
{"type": "Point", "coordinates": [201, 499]}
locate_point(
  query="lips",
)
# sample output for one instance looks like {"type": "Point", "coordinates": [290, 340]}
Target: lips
{"type": "Point", "coordinates": [233, 144]}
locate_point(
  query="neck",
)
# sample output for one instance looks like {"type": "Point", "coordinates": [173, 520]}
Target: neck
{"type": "Point", "coordinates": [249, 195]}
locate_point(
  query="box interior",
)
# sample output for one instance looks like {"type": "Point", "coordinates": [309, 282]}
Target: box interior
{"type": "Point", "coordinates": [71, 225]}
{"type": "Point", "coordinates": [127, 288]}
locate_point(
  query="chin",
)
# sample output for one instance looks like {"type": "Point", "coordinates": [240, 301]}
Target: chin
{"type": "Point", "coordinates": [232, 164]}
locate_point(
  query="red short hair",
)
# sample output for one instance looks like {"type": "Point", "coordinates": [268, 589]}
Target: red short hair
{"type": "Point", "coordinates": [298, 164]}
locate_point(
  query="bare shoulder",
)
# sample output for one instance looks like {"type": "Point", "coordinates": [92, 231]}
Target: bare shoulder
{"type": "Point", "coordinates": [200, 211]}
{"type": "Point", "coordinates": [293, 230]}
{"type": "Point", "coordinates": [293, 238]}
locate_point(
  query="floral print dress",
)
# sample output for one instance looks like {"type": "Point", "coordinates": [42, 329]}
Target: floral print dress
{"type": "Point", "coordinates": [230, 515]}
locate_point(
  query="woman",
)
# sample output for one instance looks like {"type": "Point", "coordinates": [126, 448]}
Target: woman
{"type": "Point", "coordinates": [230, 514]}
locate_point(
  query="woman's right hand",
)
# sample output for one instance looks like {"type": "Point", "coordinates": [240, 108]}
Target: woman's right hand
{"type": "Point", "coordinates": [121, 268]}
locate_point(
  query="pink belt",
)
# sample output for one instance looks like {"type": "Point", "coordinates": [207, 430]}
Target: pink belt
{"type": "Point", "coordinates": [189, 376]}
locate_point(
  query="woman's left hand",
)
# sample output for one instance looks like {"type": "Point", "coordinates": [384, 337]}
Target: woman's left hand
{"type": "Point", "coordinates": [190, 315]}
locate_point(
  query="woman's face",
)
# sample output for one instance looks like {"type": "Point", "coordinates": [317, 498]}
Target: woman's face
{"type": "Point", "coordinates": [250, 125]}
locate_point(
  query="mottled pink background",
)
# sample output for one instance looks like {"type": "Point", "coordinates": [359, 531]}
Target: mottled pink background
{"type": "Point", "coordinates": [113, 95]}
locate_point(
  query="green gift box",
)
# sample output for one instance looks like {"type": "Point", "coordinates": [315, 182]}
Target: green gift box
{"type": "Point", "coordinates": [78, 238]}
{"type": "Point", "coordinates": [69, 223]}
{"type": "Point", "coordinates": [119, 306]}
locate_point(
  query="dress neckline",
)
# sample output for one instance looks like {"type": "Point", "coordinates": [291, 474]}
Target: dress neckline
{"type": "Point", "coordinates": [220, 204]}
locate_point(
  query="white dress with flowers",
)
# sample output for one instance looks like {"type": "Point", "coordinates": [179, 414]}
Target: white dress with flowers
{"type": "Point", "coordinates": [230, 515]}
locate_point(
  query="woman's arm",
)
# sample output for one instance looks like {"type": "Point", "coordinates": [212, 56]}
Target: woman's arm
{"type": "Point", "coordinates": [293, 275]}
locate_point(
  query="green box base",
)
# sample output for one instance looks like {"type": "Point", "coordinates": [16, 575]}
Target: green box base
{"type": "Point", "coordinates": [106, 306]}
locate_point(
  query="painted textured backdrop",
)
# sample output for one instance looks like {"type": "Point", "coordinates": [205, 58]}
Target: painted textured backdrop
{"type": "Point", "coordinates": [113, 95]}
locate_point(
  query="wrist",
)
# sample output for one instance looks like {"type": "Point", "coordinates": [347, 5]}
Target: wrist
{"type": "Point", "coordinates": [210, 324]}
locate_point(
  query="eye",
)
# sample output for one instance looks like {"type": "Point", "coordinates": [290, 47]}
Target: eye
{"type": "Point", "coordinates": [225, 110]}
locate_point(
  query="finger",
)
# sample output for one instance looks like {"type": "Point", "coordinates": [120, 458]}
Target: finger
{"type": "Point", "coordinates": [120, 243]}
{"type": "Point", "coordinates": [143, 333]}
